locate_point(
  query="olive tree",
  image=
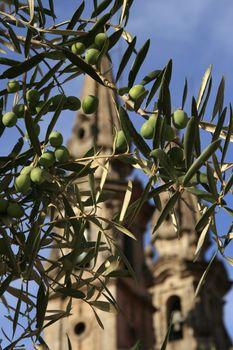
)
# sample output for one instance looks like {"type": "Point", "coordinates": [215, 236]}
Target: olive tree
{"type": "Point", "coordinates": [38, 195]}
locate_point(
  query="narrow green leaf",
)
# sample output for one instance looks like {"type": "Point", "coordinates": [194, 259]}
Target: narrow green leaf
{"type": "Point", "coordinates": [31, 9]}
{"type": "Point", "coordinates": [14, 40]}
{"type": "Point", "coordinates": [162, 158]}
{"type": "Point", "coordinates": [212, 181]}
{"type": "Point", "coordinates": [5, 284]}
{"type": "Point", "coordinates": [123, 12]}
{"type": "Point", "coordinates": [150, 77]}
{"type": "Point", "coordinates": [164, 102]}
{"type": "Point", "coordinates": [9, 252]}
{"type": "Point", "coordinates": [23, 67]}
{"type": "Point", "coordinates": [75, 223]}
{"type": "Point", "coordinates": [202, 238]}
{"type": "Point", "coordinates": [69, 342]}
{"type": "Point", "coordinates": [119, 227]}
{"type": "Point", "coordinates": [30, 126]}
{"type": "Point", "coordinates": [166, 339]}
{"type": "Point", "coordinates": [228, 136]}
{"type": "Point", "coordinates": [219, 99]}
{"type": "Point", "coordinates": [19, 294]}
{"type": "Point", "coordinates": [104, 306]}
{"type": "Point", "coordinates": [125, 58]}
{"type": "Point", "coordinates": [157, 132]}
{"type": "Point", "coordinates": [228, 210]}
{"type": "Point", "coordinates": [131, 133]}
{"type": "Point", "coordinates": [16, 3]}
{"type": "Point", "coordinates": [217, 167]}
{"type": "Point", "coordinates": [98, 319]}
{"type": "Point", "coordinates": [189, 139]}
{"type": "Point", "coordinates": [41, 305]}
{"type": "Point", "coordinates": [205, 101]}
{"type": "Point", "coordinates": [202, 195]}
{"type": "Point", "coordinates": [203, 277]}
{"type": "Point", "coordinates": [155, 87]}
{"type": "Point", "coordinates": [208, 151]}
{"type": "Point", "coordinates": [91, 182]}
{"type": "Point", "coordinates": [100, 8]}
{"type": "Point", "coordinates": [143, 198]}
{"type": "Point", "coordinates": [8, 61]}
{"type": "Point", "coordinates": [219, 125]}
{"type": "Point", "coordinates": [16, 312]}
{"type": "Point", "coordinates": [114, 38]}
{"type": "Point", "coordinates": [127, 199]}
{"type": "Point", "coordinates": [205, 217]}
{"type": "Point", "coordinates": [49, 75]}
{"type": "Point", "coordinates": [76, 16]}
{"type": "Point", "coordinates": [166, 210]}
{"type": "Point", "coordinates": [98, 26]}
{"type": "Point", "coordinates": [229, 184]}
{"type": "Point", "coordinates": [81, 64]}
{"type": "Point", "coordinates": [204, 83]}
{"type": "Point", "coordinates": [69, 292]}
{"type": "Point", "coordinates": [41, 13]}
{"type": "Point", "coordinates": [51, 6]}
{"type": "Point", "coordinates": [27, 45]}
{"type": "Point", "coordinates": [185, 91]}
{"type": "Point", "coordinates": [138, 63]}
{"type": "Point", "coordinates": [55, 118]}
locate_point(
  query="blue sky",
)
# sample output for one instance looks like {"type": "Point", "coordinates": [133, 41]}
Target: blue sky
{"type": "Point", "coordinates": [194, 34]}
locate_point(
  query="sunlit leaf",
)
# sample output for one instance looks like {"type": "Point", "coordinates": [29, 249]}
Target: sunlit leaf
{"type": "Point", "coordinates": [125, 58]}
{"type": "Point", "coordinates": [219, 99]}
{"type": "Point", "coordinates": [132, 134]}
{"type": "Point", "coordinates": [166, 210]}
{"type": "Point", "coordinates": [141, 55]}
{"type": "Point", "coordinates": [208, 151]}
{"type": "Point", "coordinates": [204, 83]}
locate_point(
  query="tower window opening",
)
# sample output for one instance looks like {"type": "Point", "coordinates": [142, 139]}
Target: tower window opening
{"type": "Point", "coordinates": [174, 311]}
{"type": "Point", "coordinates": [79, 328]}
{"type": "Point", "coordinates": [81, 133]}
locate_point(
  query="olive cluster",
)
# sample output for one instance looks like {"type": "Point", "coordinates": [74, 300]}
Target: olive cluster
{"type": "Point", "coordinates": [94, 52]}
{"type": "Point", "coordinates": [35, 173]}
{"type": "Point", "coordinates": [9, 119]}
{"type": "Point", "coordinates": [11, 209]}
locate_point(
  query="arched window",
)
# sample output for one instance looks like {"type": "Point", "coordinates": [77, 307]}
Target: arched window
{"type": "Point", "coordinates": [174, 311]}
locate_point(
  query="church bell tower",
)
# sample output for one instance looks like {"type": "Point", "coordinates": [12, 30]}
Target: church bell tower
{"type": "Point", "coordinates": [197, 322]}
{"type": "Point", "coordinates": [134, 321]}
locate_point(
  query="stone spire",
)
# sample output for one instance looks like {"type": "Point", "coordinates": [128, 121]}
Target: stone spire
{"type": "Point", "coordinates": [98, 129]}
{"type": "Point", "coordinates": [99, 126]}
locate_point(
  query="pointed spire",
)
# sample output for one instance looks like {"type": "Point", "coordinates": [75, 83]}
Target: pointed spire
{"type": "Point", "coordinates": [97, 130]}
{"type": "Point", "coordinates": [98, 127]}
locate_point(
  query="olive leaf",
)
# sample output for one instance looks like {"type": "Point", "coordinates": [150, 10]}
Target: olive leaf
{"type": "Point", "coordinates": [208, 151]}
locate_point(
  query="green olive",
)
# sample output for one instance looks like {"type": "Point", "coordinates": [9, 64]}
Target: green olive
{"type": "Point", "coordinates": [62, 154]}
{"type": "Point", "coordinates": [13, 86]}
{"type": "Point", "coordinates": [180, 119]}
{"type": "Point", "coordinates": [147, 130]}
{"type": "Point", "coordinates": [136, 92]}
{"type": "Point", "coordinates": [15, 210]}
{"type": "Point", "coordinates": [90, 104]}
{"type": "Point", "coordinates": [9, 119]}
{"type": "Point", "coordinates": [55, 139]}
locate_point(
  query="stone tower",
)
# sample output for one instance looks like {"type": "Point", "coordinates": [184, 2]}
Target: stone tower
{"type": "Point", "coordinates": [197, 322]}
{"type": "Point", "coordinates": [122, 330]}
